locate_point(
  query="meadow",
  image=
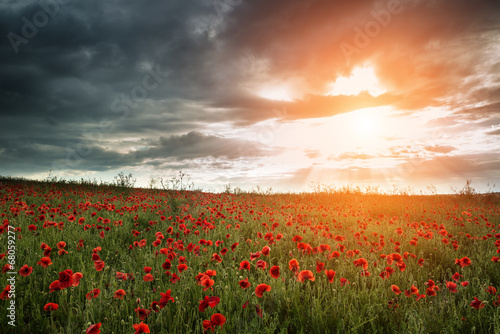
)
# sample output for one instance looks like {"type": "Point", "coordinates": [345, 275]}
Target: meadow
{"type": "Point", "coordinates": [82, 258]}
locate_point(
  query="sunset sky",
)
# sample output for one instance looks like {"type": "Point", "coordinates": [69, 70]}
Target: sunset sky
{"type": "Point", "coordinates": [276, 93]}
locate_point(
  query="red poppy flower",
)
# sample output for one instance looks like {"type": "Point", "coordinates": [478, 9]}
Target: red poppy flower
{"type": "Point", "coordinates": [207, 324]}
{"type": "Point", "coordinates": [93, 294]}
{"type": "Point", "coordinates": [25, 270]}
{"type": "Point", "coordinates": [93, 329]}
{"type": "Point", "coordinates": [99, 265]}
{"type": "Point", "coordinates": [456, 276]}
{"type": "Point", "coordinates": [142, 313]}
{"type": "Point", "coordinates": [216, 257]}
{"type": "Point", "coordinates": [167, 265]}
{"type": "Point", "coordinates": [141, 328]}
{"type": "Point", "coordinates": [254, 256]}
{"type": "Point", "coordinates": [206, 282]}
{"type": "Point", "coordinates": [330, 274]}
{"type": "Point", "coordinates": [451, 286]}
{"type": "Point", "coordinates": [491, 290]}
{"type": "Point", "coordinates": [5, 293]}
{"type": "Point", "coordinates": [76, 278]}
{"type": "Point", "coordinates": [477, 304]}
{"type": "Point", "coordinates": [147, 270]}
{"type": "Point", "coordinates": [261, 264]}
{"type": "Point", "coordinates": [50, 307]}
{"type": "Point", "coordinates": [45, 262]}
{"type": "Point", "coordinates": [210, 273]}
{"type": "Point", "coordinates": [119, 294]}
{"type": "Point", "coordinates": [233, 247]}
{"type": "Point", "coordinates": [175, 278]}
{"type": "Point", "coordinates": [61, 245]}
{"type": "Point", "coordinates": [165, 298]}
{"type": "Point", "coordinates": [305, 275]}
{"type": "Point", "coordinates": [463, 262]}
{"type": "Point", "coordinates": [421, 262]}
{"type": "Point", "coordinates": [319, 266]}
{"type": "Point", "coordinates": [6, 268]}
{"type": "Point", "coordinates": [208, 301]}
{"type": "Point", "coordinates": [65, 279]}
{"type": "Point", "coordinates": [62, 251]}
{"type": "Point", "coordinates": [245, 284]}
{"type": "Point", "coordinates": [122, 276]}
{"type": "Point", "coordinates": [275, 272]}
{"type": "Point", "coordinates": [297, 238]}
{"type": "Point", "coordinates": [344, 281]}
{"type": "Point", "coordinates": [293, 265]}
{"type": "Point", "coordinates": [361, 262]}
{"type": "Point", "coordinates": [261, 288]}
{"type": "Point", "coordinates": [265, 251]}
{"type": "Point", "coordinates": [245, 265]}
{"type": "Point", "coordinates": [32, 227]}
{"type": "Point", "coordinates": [181, 267]}
{"type": "Point", "coordinates": [258, 310]}
{"type": "Point", "coordinates": [334, 254]}
{"type": "Point", "coordinates": [430, 292]}
{"type": "Point", "coordinates": [395, 289]}
{"type": "Point", "coordinates": [54, 286]}
{"type": "Point", "coordinates": [465, 283]}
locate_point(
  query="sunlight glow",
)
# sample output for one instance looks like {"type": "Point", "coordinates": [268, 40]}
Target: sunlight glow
{"type": "Point", "coordinates": [361, 79]}
{"type": "Point", "coordinates": [278, 93]}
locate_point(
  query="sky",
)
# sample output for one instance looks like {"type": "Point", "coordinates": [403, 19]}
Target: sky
{"type": "Point", "coordinates": [281, 94]}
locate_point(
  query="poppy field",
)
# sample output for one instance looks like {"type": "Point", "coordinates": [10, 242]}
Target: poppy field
{"type": "Point", "coordinates": [80, 258]}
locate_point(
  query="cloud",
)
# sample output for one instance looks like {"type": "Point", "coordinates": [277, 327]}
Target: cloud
{"type": "Point", "coordinates": [440, 149]}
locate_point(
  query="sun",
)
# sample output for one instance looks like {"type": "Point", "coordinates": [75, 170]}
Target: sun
{"type": "Point", "coordinates": [361, 79]}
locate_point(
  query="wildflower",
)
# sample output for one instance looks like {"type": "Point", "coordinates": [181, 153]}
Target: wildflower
{"type": "Point", "coordinates": [141, 328]}
{"type": "Point", "coordinates": [119, 294]}
{"type": "Point", "coordinates": [245, 265]}
{"type": "Point", "coordinates": [330, 274]}
{"type": "Point", "coordinates": [50, 307]}
{"type": "Point", "coordinates": [165, 298]}
{"type": "Point", "coordinates": [451, 286]}
{"type": "Point", "coordinates": [477, 304]}
{"type": "Point", "coordinates": [275, 272]}
{"type": "Point", "coordinates": [463, 262]}
{"type": "Point", "coordinates": [93, 294]}
{"type": "Point", "coordinates": [361, 262]}
{"type": "Point", "coordinates": [395, 289]}
{"type": "Point", "coordinates": [491, 290]}
{"type": "Point", "coordinates": [99, 265]}
{"type": "Point", "coordinates": [93, 329]}
{"type": "Point", "coordinates": [208, 301]}
{"type": "Point", "coordinates": [25, 270]}
{"type": "Point", "coordinates": [142, 313]}
{"type": "Point", "coordinates": [45, 262]}
{"type": "Point", "coordinates": [305, 275]}
{"type": "Point", "coordinates": [244, 283]}
{"type": "Point", "coordinates": [261, 288]}
{"type": "Point", "coordinates": [319, 266]}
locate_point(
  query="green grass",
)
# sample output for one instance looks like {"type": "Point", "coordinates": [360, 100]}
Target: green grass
{"type": "Point", "coordinates": [366, 223]}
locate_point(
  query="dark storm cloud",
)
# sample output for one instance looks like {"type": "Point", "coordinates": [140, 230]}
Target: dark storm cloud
{"type": "Point", "coordinates": [45, 155]}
